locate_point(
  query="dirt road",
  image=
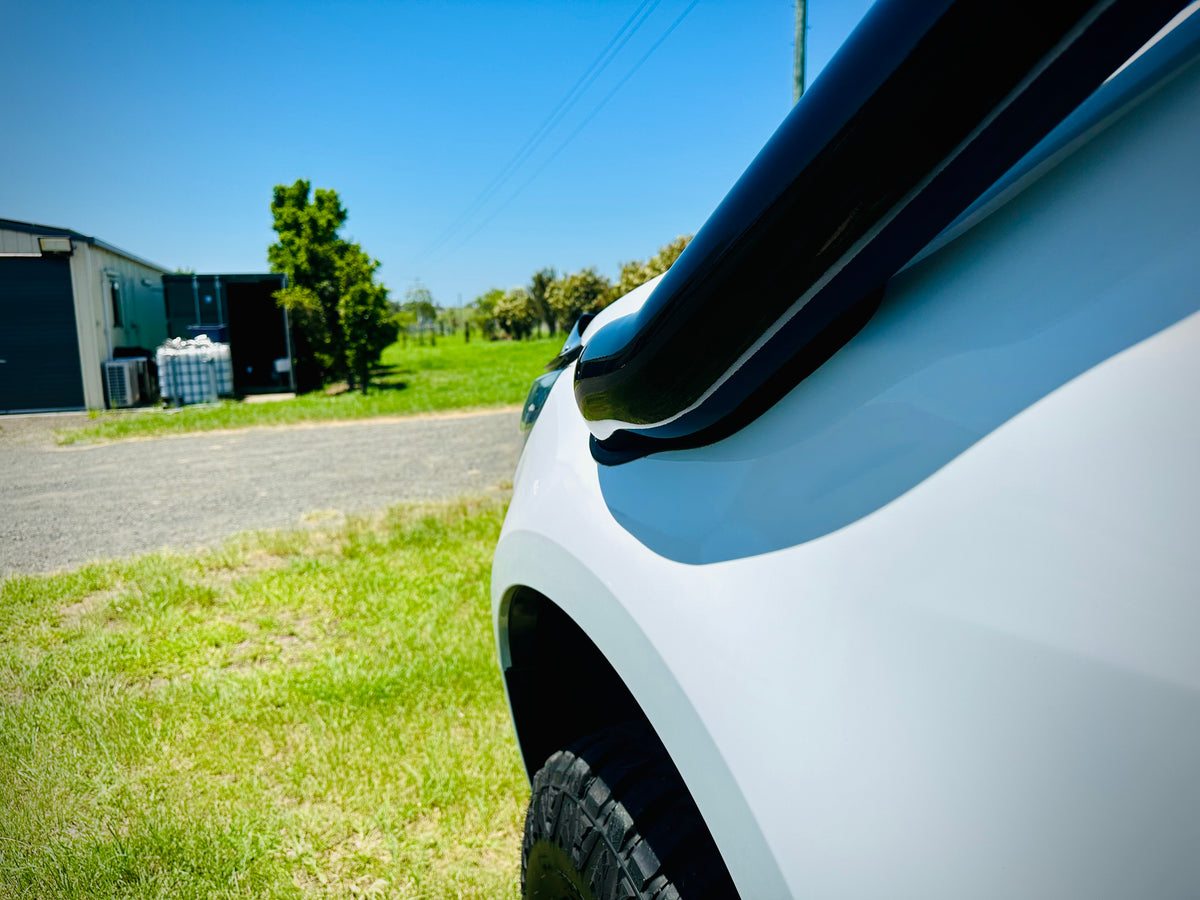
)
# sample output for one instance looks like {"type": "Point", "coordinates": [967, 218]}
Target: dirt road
{"type": "Point", "coordinates": [63, 506]}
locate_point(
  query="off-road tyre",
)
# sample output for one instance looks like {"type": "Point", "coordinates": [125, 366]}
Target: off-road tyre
{"type": "Point", "coordinates": [610, 819]}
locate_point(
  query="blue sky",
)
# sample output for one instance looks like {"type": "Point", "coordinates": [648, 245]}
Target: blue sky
{"type": "Point", "coordinates": [162, 127]}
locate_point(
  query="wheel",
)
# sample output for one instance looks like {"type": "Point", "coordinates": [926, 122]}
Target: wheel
{"type": "Point", "coordinates": [610, 819]}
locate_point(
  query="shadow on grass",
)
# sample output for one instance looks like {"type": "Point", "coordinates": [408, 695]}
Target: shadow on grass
{"type": "Point", "coordinates": [386, 371]}
{"type": "Point", "coordinates": [342, 390]}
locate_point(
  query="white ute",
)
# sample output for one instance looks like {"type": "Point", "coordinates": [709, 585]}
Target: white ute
{"type": "Point", "coordinates": [917, 614]}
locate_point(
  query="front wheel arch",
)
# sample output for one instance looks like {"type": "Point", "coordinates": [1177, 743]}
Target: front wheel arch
{"type": "Point", "coordinates": [560, 686]}
{"type": "Point", "coordinates": [527, 571]}
{"type": "Point", "coordinates": [564, 693]}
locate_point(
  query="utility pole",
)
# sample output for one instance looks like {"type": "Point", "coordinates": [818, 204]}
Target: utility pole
{"type": "Point", "coordinates": [801, 37]}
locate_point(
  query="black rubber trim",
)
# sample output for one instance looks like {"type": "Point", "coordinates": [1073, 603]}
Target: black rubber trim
{"type": "Point", "coordinates": [937, 98]}
{"type": "Point", "coordinates": [573, 346]}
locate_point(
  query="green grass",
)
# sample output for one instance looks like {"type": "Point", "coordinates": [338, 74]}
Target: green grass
{"type": "Point", "coordinates": [308, 713]}
{"type": "Point", "coordinates": [412, 379]}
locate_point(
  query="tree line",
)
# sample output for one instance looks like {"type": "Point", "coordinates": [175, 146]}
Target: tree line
{"type": "Point", "coordinates": [551, 302]}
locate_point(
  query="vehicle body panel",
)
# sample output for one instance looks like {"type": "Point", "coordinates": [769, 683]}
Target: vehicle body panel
{"type": "Point", "coordinates": [930, 626]}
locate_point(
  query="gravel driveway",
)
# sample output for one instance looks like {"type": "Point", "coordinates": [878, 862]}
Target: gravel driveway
{"type": "Point", "coordinates": [63, 506]}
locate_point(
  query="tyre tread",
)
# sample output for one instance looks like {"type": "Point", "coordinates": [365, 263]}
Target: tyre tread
{"type": "Point", "coordinates": [614, 802]}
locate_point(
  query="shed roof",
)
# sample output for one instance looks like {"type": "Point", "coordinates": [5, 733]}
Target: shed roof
{"type": "Point", "coordinates": [52, 231]}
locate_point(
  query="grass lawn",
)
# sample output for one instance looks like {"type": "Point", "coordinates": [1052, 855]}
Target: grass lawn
{"type": "Point", "coordinates": [295, 714]}
{"type": "Point", "coordinates": [412, 379]}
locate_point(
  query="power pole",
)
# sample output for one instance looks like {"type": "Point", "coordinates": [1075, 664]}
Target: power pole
{"type": "Point", "coordinates": [801, 36]}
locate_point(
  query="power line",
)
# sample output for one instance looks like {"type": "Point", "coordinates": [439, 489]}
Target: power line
{"type": "Point", "coordinates": [599, 106]}
{"type": "Point", "coordinates": [578, 89]}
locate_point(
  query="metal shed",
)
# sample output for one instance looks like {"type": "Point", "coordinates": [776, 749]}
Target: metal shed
{"type": "Point", "coordinates": [68, 302]}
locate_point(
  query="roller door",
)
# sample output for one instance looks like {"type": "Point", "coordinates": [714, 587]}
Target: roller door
{"type": "Point", "coordinates": [38, 342]}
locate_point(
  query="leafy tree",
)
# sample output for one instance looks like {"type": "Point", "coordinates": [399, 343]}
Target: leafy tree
{"type": "Point", "coordinates": [636, 273]}
{"type": "Point", "coordinates": [419, 303]}
{"type": "Point", "coordinates": [307, 251]}
{"type": "Point", "coordinates": [539, 289]}
{"type": "Point", "coordinates": [573, 295]}
{"type": "Point", "coordinates": [405, 320]}
{"type": "Point", "coordinates": [449, 320]}
{"type": "Point", "coordinates": [633, 273]}
{"type": "Point", "coordinates": [419, 300]}
{"type": "Point", "coordinates": [364, 315]}
{"type": "Point", "coordinates": [483, 312]}
{"type": "Point", "coordinates": [667, 254]}
{"type": "Point", "coordinates": [516, 313]}
{"type": "Point", "coordinates": [341, 314]}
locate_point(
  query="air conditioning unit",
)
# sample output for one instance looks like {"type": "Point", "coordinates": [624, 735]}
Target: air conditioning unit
{"type": "Point", "coordinates": [123, 378]}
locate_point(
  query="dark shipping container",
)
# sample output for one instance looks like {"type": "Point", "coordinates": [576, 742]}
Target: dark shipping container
{"type": "Point", "coordinates": [243, 308]}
